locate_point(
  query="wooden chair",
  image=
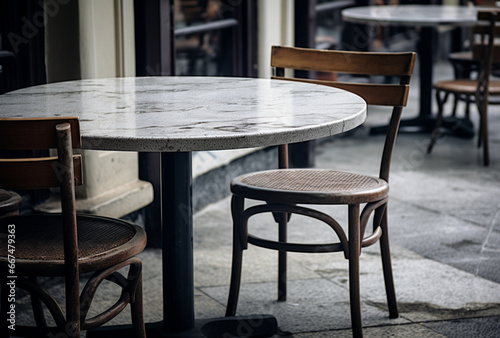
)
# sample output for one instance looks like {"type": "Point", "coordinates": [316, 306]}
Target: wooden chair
{"type": "Point", "coordinates": [284, 189]}
{"type": "Point", "coordinates": [465, 65]}
{"type": "Point", "coordinates": [66, 244]}
{"type": "Point", "coordinates": [481, 88]}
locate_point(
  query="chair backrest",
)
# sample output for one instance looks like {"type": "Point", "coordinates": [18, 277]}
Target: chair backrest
{"type": "Point", "coordinates": [487, 3]}
{"type": "Point", "coordinates": [357, 63]}
{"type": "Point", "coordinates": [63, 171]}
{"type": "Point", "coordinates": [36, 134]}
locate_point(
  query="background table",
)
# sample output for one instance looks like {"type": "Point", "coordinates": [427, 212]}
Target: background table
{"type": "Point", "coordinates": [177, 115]}
{"type": "Point", "coordinates": [427, 17]}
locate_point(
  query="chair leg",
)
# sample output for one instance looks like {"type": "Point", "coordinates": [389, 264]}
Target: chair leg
{"type": "Point", "coordinates": [467, 106]}
{"type": "Point", "coordinates": [482, 107]}
{"type": "Point", "coordinates": [282, 259]}
{"type": "Point", "coordinates": [480, 134]}
{"type": "Point", "coordinates": [385, 253]}
{"type": "Point", "coordinates": [484, 128]}
{"type": "Point", "coordinates": [456, 98]}
{"type": "Point", "coordinates": [354, 252]}
{"type": "Point", "coordinates": [37, 307]}
{"type": "Point", "coordinates": [137, 311]}
{"type": "Point", "coordinates": [439, 121]}
{"type": "Point", "coordinates": [237, 205]}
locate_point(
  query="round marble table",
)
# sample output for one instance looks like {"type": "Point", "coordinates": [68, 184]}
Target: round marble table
{"type": "Point", "coordinates": [177, 115]}
{"type": "Point", "coordinates": [427, 17]}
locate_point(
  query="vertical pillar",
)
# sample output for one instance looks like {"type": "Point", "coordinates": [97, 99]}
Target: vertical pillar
{"type": "Point", "coordinates": [95, 39]}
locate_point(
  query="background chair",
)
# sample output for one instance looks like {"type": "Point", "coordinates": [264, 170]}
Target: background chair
{"type": "Point", "coordinates": [465, 65]}
{"type": "Point", "coordinates": [284, 189]}
{"type": "Point", "coordinates": [62, 244]}
{"type": "Point", "coordinates": [486, 53]}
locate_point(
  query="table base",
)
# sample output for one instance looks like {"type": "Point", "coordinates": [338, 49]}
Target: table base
{"type": "Point", "coordinates": [240, 326]}
{"type": "Point", "coordinates": [423, 124]}
{"type": "Point", "coordinates": [460, 127]}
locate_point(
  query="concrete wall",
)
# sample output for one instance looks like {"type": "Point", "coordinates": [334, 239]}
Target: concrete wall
{"type": "Point", "coordinates": [107, 42]}
{"type": "Point", "coordinates": [275, 27]}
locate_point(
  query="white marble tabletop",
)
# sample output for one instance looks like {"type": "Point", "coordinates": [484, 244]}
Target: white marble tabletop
{"type": "Point", "coordinates": [412, 15]}
{"type": "Point", "coordinates": [171, 114]}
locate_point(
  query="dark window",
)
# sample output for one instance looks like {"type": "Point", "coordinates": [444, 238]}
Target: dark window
{"type": "Point", "coordinates": [211, 37]}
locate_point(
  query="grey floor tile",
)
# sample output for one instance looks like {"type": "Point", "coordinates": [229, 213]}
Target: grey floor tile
{"type": "Point", "coordinates": [312, 305]}
{"type": "Point", "coordinates": [401, 331]}
{"type": "Point", "coordinates": [477, 327]}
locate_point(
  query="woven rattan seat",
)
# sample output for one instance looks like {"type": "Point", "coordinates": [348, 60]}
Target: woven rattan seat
{"type": "Point", "coordinates": [288, 191]}
{"type": "Point", "coordinates": [466, 86]}
{"type": "Point", "coordinates": [64, 244]}
{"type": "Point", "coordinates": [40, 245]}
{"type": "Point", "coordinates": [312, 186]}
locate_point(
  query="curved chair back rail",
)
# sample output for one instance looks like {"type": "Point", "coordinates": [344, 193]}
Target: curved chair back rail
{"type": "Point", "coordinates": [358, 63]}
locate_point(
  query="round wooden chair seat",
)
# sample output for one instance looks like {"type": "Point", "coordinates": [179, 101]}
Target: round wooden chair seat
{"type": "Point", "coordinates": [102, 242]}
{"type": "Point", "coordinates": [464, 56]}
{"type": "Point", "coordinates": [466, 86]}
{"type": "Point", "coordinates": [310, 186]}
{"type": "Point", "coordinates": [466, 59]}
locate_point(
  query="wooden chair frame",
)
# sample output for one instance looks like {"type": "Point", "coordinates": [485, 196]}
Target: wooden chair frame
{"type": "Point", "coordinates": [64, 171]}
{"type": "Point", "coordinates": [464, 63]}
{"type": "Point", "coordinates": [283, 203]}
{"type": "Point", "coordinates": [485, 53]}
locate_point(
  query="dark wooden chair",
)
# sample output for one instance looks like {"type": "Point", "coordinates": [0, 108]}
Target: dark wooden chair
{"type": "Point", "coordinates": [66, 244]}
{"type": "Point", "coordinates": [284, 190]}
{"type": "Point", "coordinates": [465, 65]}
{"type": "Point", "coordinates": [485, 52]}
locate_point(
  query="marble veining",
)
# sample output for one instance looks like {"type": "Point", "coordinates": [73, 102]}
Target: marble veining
{"type": "Point", "coordinates": [190, 113]}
